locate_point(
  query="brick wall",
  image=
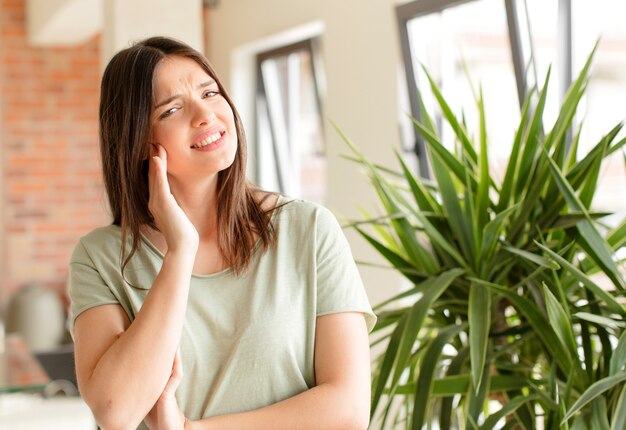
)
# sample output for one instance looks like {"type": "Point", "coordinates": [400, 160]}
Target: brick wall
{"type": "Point", "coordinates": [51, 188]}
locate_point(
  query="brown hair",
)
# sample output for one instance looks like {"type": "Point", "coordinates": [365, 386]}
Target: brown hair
{"type": "Point", "coordinates": [126, 100]}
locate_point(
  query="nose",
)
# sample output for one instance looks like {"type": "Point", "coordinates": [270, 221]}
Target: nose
{"type": "Point", "coordinates": [203, 115]}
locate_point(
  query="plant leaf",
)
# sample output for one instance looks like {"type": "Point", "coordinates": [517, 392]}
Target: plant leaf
{"type": "Point", "coordinates": [387, 364]}
{"type": "Point", "coordinates": [423, 199]}
{"type": "Point", "coordinates": [482, 203]}
{"type": "Point", "coordinates": [379, 225]}
{"type": "Point", "coordinates": [581, 170]}
{"type": "Point", "coordinates": [511, 168]}
{"type": "Point", "coordinates": [437, 238]}
{"type": "Point", "coordinates": [600, 320]}
{"type": "Point", "coordinates": [479, 315]}
{"type": "Point", "coordinates": [571, 219]}
{"type": "Point", "coordinates": [417, 255]}
{"type": "Point", "coordinates": [509, 408]}
{"type": "Point", "coordinates": [619, 356]}
{"type": "Point", "coordinates": [433, 288]}
{"type": "Point", "coordinates": [594, 391]}
{"type": "Point", "coordinates": [447, 157]}
{"type": "Point", "coordinates": [491, 234]}
{"type": "Point", "coordinates": [540, 324]}
{"type": "Point", "coordinates": [458, 384]}
{"type": "Point", "coordinates": [459, 224]}
{"type": "Point", "coordinates": [537, 259]}
{"type": "Point", "coordinates": [617, 237]}
{"type": "Point", "coordinates": [397, 261]}
{"type": "Point", "coordinates": [532, 139]}
{"type": "Point", "coordinates": [596, 246]}
{"type": "Point", "coordinates": [428, 366]}
{"type": "Point", "coordinates": [619, 417]}
{"type": "Point", "coordinates": [599, 414]}
{"type": "Point", "coordinates": [459, 130]}
{"type": "Point", "coordinates": [476, 401]}
{"type": "Point", "coordinates": [613, 305]}
{"type": "Point", "coordinates": [560, 322]}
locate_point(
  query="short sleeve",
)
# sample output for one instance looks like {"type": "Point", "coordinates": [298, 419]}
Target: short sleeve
{"type": "Point", "coordinates": [339, 285]}
{"type": "Point", "coordinates": [87, 289]}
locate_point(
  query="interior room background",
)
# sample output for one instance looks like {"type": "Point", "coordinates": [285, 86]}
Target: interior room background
{"type": "Point", "coordinates": [345, 64]}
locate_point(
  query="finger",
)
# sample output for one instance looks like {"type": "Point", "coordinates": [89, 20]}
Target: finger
{"type": "Point", "coordinates": [161, 160]}
{"type": "Point", "coordinates": [151, 174]}
{"type": "Point", "coordinates": [175, 377]}
{"type": "Point", "coordinates": [160, 151]}
{"type": "Point", "coordinates": [155, 187]}
{"type": "Point", "coordinates": [152, 168]}
{"type": "Point", "coordinates": [178, 364]}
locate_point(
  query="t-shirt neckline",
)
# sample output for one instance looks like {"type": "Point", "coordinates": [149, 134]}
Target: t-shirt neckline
{"type": "Point", "coordinates": [222, 272]}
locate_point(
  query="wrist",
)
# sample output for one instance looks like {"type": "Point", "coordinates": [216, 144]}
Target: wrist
{"type": "Point", "coordinates": [181, 255]}
{"type": "Point", "coordinates": [184, 247]}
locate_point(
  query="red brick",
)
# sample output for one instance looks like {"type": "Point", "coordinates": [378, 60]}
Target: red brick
{"type": "Point", "coordinates": [49, 132]}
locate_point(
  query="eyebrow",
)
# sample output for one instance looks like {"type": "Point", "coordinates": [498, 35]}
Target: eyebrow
{"type": "Point", "coordinates": [175, 96]}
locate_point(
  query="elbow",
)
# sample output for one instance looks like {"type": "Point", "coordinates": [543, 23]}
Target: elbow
{"type": "Point", "coordinates": [356, 414]}
{"type": "Point", "coordinates": [360, 406]}
{"type": "Point", "coordinates": [111, 412]}
{"type": "Point", "coordinates": [109, 419]}
{"type": "Point", "coordinates": [354, 422]}
{"type": "Point", "coordinates": [359, 420]}
{"type": "Point", "coordinates": [112, 417]}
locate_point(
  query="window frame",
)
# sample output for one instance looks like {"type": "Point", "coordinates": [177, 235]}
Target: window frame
{"type": "Point", "coordinates": [310, 45]}
{"type": "Point", "coordinates": [417, 8]}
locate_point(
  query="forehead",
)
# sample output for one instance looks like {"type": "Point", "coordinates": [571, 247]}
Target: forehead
{"type": "Point", "coordinates": [175, 73]}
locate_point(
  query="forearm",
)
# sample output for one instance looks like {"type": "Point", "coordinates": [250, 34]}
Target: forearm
{"type": "Point", "coordinates": [131, 374]}
{"type": "Point", "coordinates": [325, 407]}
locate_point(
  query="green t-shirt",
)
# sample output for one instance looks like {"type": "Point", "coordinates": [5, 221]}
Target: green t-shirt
{"type": "Point", "coordinates": [247, 340]}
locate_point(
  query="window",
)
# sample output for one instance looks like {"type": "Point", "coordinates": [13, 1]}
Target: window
{"type": "Point", "coordinates": [290, 147]}
{"type": "Point", "coordinates": [463, 45]}
{"type": "Point", "coordinates": [512, 43]}
{"type": "Point", "coordinates": [603, 106]}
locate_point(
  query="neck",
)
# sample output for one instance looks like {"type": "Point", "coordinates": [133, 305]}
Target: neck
{"type": "Point", "coordinates": [198, 199]}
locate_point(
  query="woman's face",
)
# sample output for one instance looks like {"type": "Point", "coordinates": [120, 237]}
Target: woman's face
{"type": "Point", "coordinates": [191, 119]}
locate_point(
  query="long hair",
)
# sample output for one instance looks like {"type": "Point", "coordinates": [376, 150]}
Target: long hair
{"type": "Point", "coordinates": [126, 101]}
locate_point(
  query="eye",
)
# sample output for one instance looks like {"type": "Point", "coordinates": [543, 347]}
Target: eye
{"type": "Point", "coordinates": [168, 113]}
{"type": "Point", "coordinates": [210, 93]}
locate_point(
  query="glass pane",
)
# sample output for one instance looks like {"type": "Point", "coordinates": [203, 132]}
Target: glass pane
{"type": "Point", "coordinates": [472, 36]}
{"type": "Point", "coordinates": [603, 106]}
{"type": "Point", "coordinates": [543, 27]}
{"type": "Point", "coordinates": [529, 71]}
{"type": "Point", "coordinates": [265, 157]}
{"type": "Point", "coordinates": [295, 124]}
{"type": "Point", "coordinates": [276, 97]}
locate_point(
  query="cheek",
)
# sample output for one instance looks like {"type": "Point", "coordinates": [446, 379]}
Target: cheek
{"type": "Point", "coordinates": [162, 135]}
{"type": "Point", "coordinates": [226, 113]}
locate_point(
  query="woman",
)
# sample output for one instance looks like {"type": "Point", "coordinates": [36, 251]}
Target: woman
{"type": "Point", "coordinates": [254, 295]}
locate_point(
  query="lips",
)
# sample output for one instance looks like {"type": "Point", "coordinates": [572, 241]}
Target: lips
{"type": "Point", "coordinates": [207, 137]}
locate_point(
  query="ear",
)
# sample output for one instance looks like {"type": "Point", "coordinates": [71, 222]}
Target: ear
{"type": "Point", "coordinates": [148, 150]}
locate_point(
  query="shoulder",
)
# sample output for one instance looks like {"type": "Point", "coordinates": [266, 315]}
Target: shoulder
{"type": "Point", "coordinates": [100, 241]}
{"type": "Point", "coordinates": [304, 211]}
{"type": "Point", "coordinates": [302, 218]}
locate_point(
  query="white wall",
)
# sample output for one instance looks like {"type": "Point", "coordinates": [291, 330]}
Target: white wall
{"type": "Point", "coordinates": [361, 58]}
{"type": "Point", "coordinates": [126, 22]}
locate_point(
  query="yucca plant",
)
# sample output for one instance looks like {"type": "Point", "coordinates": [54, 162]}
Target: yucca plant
{"type": "Point", "coordinates": [516, 318]}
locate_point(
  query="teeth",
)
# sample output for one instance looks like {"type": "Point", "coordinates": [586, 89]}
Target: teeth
{"type": "Point", "coordinates": [208, 140]}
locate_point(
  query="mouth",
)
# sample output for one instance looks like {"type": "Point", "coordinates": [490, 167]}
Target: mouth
{"type": "Point", "coordinates": [211, 138]}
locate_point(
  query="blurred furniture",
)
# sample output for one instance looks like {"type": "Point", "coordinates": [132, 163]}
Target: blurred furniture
{"type": "Point", "coordinates": [19, 369]}
{"type": "Point", "coordinates": [21, 374]}
{"type": "Point", "coordinates": [26, 411]}
{"type": "Point", "coordinates": [59, 363]}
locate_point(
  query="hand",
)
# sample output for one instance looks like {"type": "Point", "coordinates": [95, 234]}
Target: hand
{"type": "Point", "coordinates": [165, 414]}
{"type": "Point", "coordinates": [170, 219]}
